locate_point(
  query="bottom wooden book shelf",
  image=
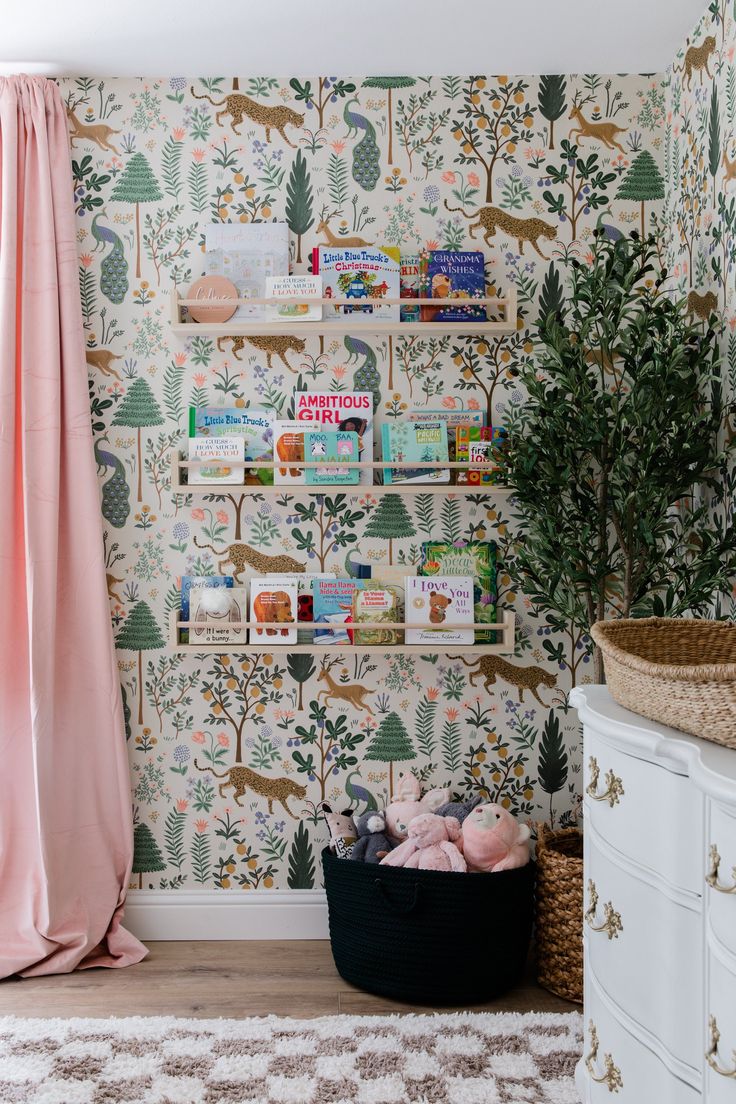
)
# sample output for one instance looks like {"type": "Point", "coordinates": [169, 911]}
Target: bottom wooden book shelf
{"type": "Point", "coordinates": [503, 645]}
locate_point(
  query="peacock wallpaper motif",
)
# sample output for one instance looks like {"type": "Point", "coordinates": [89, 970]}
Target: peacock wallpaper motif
{"type": "Point", "coordinates": [415, 162]}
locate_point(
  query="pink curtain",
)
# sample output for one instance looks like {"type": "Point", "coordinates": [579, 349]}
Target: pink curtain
{"type": "Point", "coordinates": [65, 817]}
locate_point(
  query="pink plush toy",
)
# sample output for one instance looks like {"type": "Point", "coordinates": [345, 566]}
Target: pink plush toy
{"type": "Point", "coordinates": [406, 805]}
{"type": "Point", "coordinates": [433, 844]}
{"type": "Point", "coordinates": [493, 840]}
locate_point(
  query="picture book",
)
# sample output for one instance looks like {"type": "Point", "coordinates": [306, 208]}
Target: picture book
{"type": "Point", "coordinates": [474, 445]}
{"type": "Point", "coordinates": [253, 425]}
{"type": "Point", "coordinates": [409, 442]}
{"type": "Point", "coordinates": [452, 275]}
{"type": "Point", "coordinates": [476, 558]}
{"type": "Point", "coordinates": [330, 446]}
{"type": "Point", "coordinates": [193, 582]}
{"type": "Point", "coordinates": [333, 605]}
{"type": "Point", "coordinates": [274, 598]}
{"type": "Point", "coordinates": [376, 602]}
{"type": "Point", "coordinates": [362, 275]}
{"type": "Point", "coordinates": [216, 448]}
{"type": "Point", "coordinates": [247, 254]}
{"type": "Point", "coordinates": [215, 609]}
{"type": "Point", "coordinates": [431, 603]}
{"type": "Point", "coordinates": [452, 419]}
{"type": "Point", "coordinates": [300, 291]}
{"type": "Point", "coordinates": [305, 601]}
{"type": "Point", "coordinates": [409, 284]}
{"type": "Point", "coordinates": [305, 597]}
{"type": "Point", "coordinates": [349, 411]}
{"type": "Point", "coordinates": [288, 445]}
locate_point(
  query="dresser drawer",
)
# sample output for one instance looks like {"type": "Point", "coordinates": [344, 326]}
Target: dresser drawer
{"type": "Point", "coordinates": [618, 1067]}
{"type": "Point", "coordinates": [721, 877]}
{"type": "Point", "coordinates": [646, 812]}
{"type": "Point", "coordinates": [634, 933]}
{"type": "Point", "coordinates": [720, 1074]}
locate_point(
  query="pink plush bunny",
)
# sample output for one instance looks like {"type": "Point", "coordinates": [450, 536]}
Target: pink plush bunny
{"type": "Point", "coordinates": [406, 804]}
{"type": "Point", "coordinates": [493, 840]}
{"type": "Point", "coordinates": [433, 844]}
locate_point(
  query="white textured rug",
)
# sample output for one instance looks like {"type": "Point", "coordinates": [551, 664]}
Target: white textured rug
{"type": "Point", "coordinates": [468, 1058]}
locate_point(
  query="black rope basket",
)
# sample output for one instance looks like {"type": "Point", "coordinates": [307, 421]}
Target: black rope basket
{"type": "Point", "coordinates": [427, 936]}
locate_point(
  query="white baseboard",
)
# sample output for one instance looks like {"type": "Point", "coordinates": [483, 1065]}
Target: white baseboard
{"type": "Point", "coordinates": [220, 914]}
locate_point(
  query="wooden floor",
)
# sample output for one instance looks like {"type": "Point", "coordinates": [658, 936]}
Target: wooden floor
{"type": "Point", "coordinates": [207, 979]}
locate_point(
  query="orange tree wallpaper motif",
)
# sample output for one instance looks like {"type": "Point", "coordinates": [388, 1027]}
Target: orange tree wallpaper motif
{"type": "Point", "coordinates": [417, 162]}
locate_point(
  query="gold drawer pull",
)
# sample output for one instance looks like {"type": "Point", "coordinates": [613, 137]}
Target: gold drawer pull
{"type": "Point", "coordinates": [614, 786]}
{"type": "Point", "coordinates": [711, 1054]}
{"type": "Point", "coordinates": [612, 1076]}
{"type": "Point", "coordinates": [612, 924]}
{"type": "Point", "coordinates": [712, 876]}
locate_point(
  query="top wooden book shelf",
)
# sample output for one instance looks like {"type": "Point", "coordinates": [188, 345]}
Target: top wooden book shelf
{"type": "Point", "coordinates": [346, 324]}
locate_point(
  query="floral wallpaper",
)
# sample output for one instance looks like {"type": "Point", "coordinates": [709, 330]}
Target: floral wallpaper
{"type": "Point", "coordinates": [700, 210]}
{"type": "Point", "coordinates": [407, 161]}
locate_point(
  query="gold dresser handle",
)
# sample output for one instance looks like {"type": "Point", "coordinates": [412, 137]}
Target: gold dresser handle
{"type": "Point", "coordinates": [612, 924]}
{"type": "Point", "coordinates": [711, 1054]}
{"type": "Point", "coordinates": [712, 876]}
{"type": "Point", "coordinates": [614, 786]}
{"type": "Point", "coordinates": [612, 1076]}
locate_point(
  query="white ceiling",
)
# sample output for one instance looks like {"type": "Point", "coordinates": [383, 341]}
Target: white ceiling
{"type": "Point", "coordinates": [305, 37]}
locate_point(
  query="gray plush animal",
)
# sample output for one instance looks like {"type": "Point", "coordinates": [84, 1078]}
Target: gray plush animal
{"type": "Point", "coordinates": [459, 809]}
{"type": "Point", "coordinates": [372, 843]}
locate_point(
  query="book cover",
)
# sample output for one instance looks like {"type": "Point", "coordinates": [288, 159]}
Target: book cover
{"type": "Point", "coordinates": [288, 445]}
{"type": "Point", "coordinates": [475, 446]}
{"type": "Point", "coordinates": [376, 602]}
{"type": "Point", "coordinates": [247, 254]}
{"type": "Point", "coordinates": [443, 599]}
{"type": "Point", "coordinates": [216, 448]}
{"type": "Point", "coordinates": [363, 275]}
{"type": "Point", "coordinates": [349, 411]}
{"type": "Point", "coordinates": [305, 601]}
{"type": "Point", "coordinates": [408, 442]}
{"type": "Point", "coordinates": [274, 598]}
{"type": "Point", "coordinates": [452, 275]}
{"type": "Point", "coordinates": [215, 609]}
{"type": "Point", "coordinates": [475, 558]}
{"type": "Point", "coordinates": [333, 606]}
{"type": "Point", "coordinates": [192, 582]}
{"type": "Point", "coordinates": [300, 291]}
{"type": "Point", "coordinates": [255, 426]}
{"type": "Point", "coordinates": [409, 282]}
{"type": "Point", "coordinates": [452, 419]}
{"type": "Point", "coordinates": [305, 598]}
{"type": "Point", "coordinates": [331, 446]}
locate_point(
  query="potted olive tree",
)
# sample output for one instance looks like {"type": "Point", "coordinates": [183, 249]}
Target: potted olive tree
{"type": "Point", "coordinates": [618, 459]}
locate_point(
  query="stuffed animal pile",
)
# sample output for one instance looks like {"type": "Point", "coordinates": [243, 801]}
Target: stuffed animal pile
{"type": "Point", "coordinates": [431, 833]}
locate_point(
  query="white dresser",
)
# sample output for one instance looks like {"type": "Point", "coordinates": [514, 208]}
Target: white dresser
{"type": "Point", "coordinates": [660, 920]}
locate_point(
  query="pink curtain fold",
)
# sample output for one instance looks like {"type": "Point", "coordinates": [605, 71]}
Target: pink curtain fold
{"type": "Point", "coordinates": [65, 818]}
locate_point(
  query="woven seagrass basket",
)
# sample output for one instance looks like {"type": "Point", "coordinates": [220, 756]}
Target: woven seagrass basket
{"type": "Point", "coordinates": [678, 671]}
{"type": "Point", "coordinates": [428, 936]}
{"type": "Point", "coordinates": [559, 930]}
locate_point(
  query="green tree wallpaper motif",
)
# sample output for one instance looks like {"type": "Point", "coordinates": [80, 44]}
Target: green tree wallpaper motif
{"type": "Point", "coordinates": [411, 160]}
{"type": "Point", "coordinates": [137, 185]}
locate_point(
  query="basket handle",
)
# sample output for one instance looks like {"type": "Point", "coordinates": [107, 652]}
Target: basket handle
{"type": "Point", "coordinates": [394, 908]}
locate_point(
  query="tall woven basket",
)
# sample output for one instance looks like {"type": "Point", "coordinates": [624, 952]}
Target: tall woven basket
{"type": "Point", "coordinates": [559, 912]}
{"type": "Point", "coordinates": [678, 671]}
